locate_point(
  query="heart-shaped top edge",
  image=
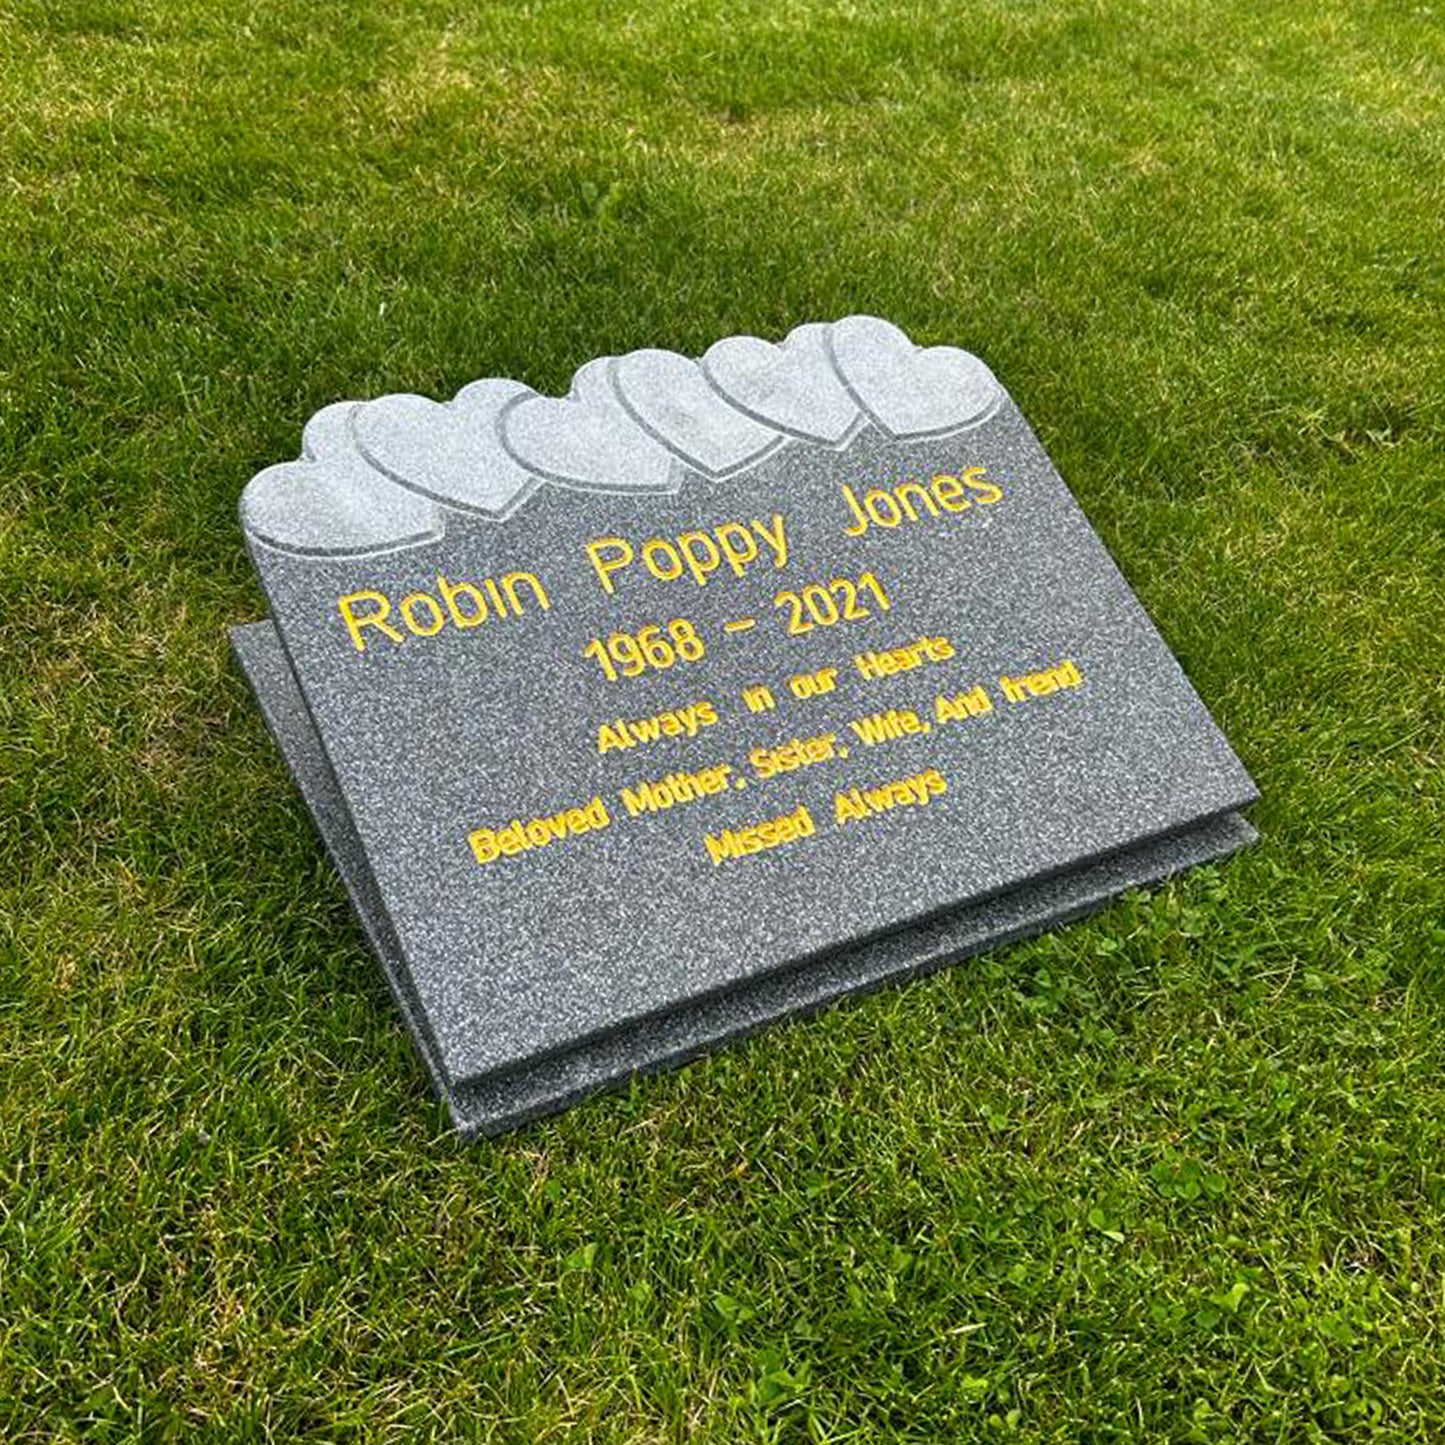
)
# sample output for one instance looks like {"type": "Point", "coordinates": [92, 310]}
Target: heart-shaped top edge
{"type": "Point", "coordinates": [837, 372]}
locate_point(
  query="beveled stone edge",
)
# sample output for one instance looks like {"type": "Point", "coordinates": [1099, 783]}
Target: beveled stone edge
{"type": "Point", "coordinates": [495, 1104]}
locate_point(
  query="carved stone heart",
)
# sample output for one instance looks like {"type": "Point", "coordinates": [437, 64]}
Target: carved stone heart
{"type": "Point", "coordinates": [327, 437]}
{"type": "Point", "coordinates": [670, 397]}
{"type": "Point", "coordinates": [333, 502]}
{"type": "Point", "coordinates": [452, 451]}
{"type": "Point", "coordinates": [587, 440]}
{"type": "Point", "coordinates": [592, 386]}
{"type": "Point", "coordinates": [792, 387]}
{"type": "Point", "coordinates": [381, 474]}
{"type": "Point", "coordinates": [908, 391]}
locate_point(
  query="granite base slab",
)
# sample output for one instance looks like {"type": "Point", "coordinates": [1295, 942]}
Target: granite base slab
{"type": "Point", "coordinates": [502, 1100]}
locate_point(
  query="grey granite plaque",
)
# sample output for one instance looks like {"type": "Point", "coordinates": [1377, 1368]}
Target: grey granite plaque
{"type": "Point", "coordinates": [639, 718]}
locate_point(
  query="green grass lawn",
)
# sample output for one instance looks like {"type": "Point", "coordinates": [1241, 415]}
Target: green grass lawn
{"type": "Point", "coordinates": [1177, 1173]}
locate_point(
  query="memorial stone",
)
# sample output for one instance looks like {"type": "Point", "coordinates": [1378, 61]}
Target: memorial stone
{"type": "Point", "coordinates": [637, 719]}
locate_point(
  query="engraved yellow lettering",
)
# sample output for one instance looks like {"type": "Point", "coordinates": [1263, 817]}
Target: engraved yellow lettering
{"type": "Point", "coordinates": [737, 544]}
{"type": "Point", "coordinates": [701, 553]}
{"type": "Point", "coordinates": [657, 547]}
{"type": "Point", "coordinates": [605, 565]}
{"type": "Point", "coordinates": [408, 614]}
{"type": "Point", "coordinates": [950, 493]}
{"type": "Point", "coordinates": [610, 737]}
{"type": "Point", "coordinates": [773, 534]}
{"type": "Point", "coordinates": [539, 592]}
{"type": "Point", "coordinates": [851, 498]}
{"type": "Point", "coordinates": [873, 501]}
{"type": "Point", "coordinates": [988, 493]}
{"type": "Point", "coordinates": [902, 490]}
{"type": "Point", "coordinates": [475, 615]}
{"type": "Point", "coordinates": [346, 605]}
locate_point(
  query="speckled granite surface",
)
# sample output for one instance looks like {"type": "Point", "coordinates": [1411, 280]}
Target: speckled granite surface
{"type": "Point", "coordinates": [1003, 739]}
{"type": "Point", "coordinates": [544, 1085]}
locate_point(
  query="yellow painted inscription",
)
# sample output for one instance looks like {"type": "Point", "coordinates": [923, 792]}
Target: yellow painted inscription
{"type": "Point", "coordinates": [622, 733]}
{"type": "Point", "coordinates": [370, 615]}
{"type": "Point", "coordinates": [799, 753]}
{"type": "Point", "coordinates": [888, 727]}
{"type": "Point", "coordinates": [959, 706]}
{"type": "Point", "coordinates": [734, 843]}
{"type": "Point", "coordinates": [1041, 684]}
{"type": "Point", "coordinates": [657, 795]}
{"type": "Point", "coordinates": [518, 836]}
{"type": "Point", "coordinates": [695, 556]}
{"type": "Point", "coordinates": [873, 665]}
{"type": "Point", "coordinates": [911, 502]}
{"type": "Point", "coordinates": [853, 805]}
